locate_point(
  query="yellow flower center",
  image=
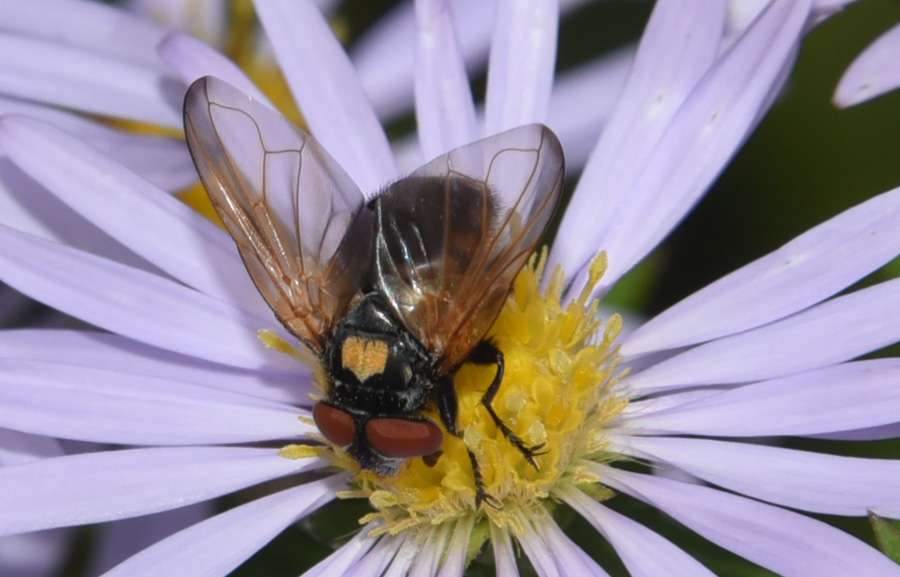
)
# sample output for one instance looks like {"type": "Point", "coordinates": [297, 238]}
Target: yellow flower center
{"type": "Point", "coordinates": [559, 369]}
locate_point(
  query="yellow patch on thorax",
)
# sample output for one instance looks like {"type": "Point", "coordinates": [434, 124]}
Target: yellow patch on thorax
{"type": "Point", "coordinates": [364, 357]}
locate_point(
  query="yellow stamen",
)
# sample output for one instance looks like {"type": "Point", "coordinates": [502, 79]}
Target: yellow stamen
{"type": "Point", "coordinates": [560, 367]}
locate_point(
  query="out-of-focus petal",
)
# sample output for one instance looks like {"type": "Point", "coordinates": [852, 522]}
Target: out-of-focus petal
{"type": "Point", "coordinates": [873, 73]}
{"type": "Point", "coordinates": [385, 61]}
{"type": "Point", "coordinates": [89, 404]}
{"type": "Point", "coordinates": [101, 29]}
{"type": "Point", "coordinates": [206, 19]}
{"type": "Point", "coordinates": [219, 544]}
{"type": "Point", "coordinates": [844, 397]}
{"type": "Point", "coordinates": [385, 58]}
{"type": "Point", "coordinates": [328, 92]}
{"type": "Point", "coordinates": [677, 48]}
{"type": "Point", "coordinates": [523, 57]}
{"type": "Point", "coordinates": [808, 269]}
{"type": "Point", "coordinates": [192, 59]}
{"type": "Point", "coordinates": [807, 340]}
{"type": "Point", "coordinates": [153, 224]}
{"type": "Point", "coordinates": [784, 542]}
{"type": "Point", "coordinates": [445, 112]}
{"type": "Point", "coordinates": [117, 353]}
{"type": "Point", "coordinates": [632, 540]}
{"type": "Point", "coordinates": [134, 303]}
{"type": "Point", "coordinates": [797, 479]}
{"type": "Point", "coordinates": [94, 83]}
{"type": "Point", "coordinates": [97, 487]}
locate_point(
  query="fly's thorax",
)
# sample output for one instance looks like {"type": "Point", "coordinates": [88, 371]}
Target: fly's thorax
{"type": "Point", "coordinates": [376, 366]}
{"type": "Point", "coordinates": [379, 380]}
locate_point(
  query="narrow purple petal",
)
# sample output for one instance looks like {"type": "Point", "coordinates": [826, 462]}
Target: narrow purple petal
{"type": "Point", "coordinates": [216, 546]}
{"type": "Point", "coordinates": [846, 397]}
{"type": "Point", "coordinates": [457, 548]}
{"type": "Point", "coordinates": [192, 59]}
{"type": "Point", "coordinates": [504, 556]}
{"type": "Point", "coordinates": [568, 557]}
{"type": "Point", "coordinates": [328, 92]}
{"type": "Point", "coordinates": [779, 540]}
{"type": "Point", "coordinates": [132, 302]}
{"type": "Point", "coordinates": [97, 487]}
{"type": "Point", "coordinates": [797, 479]}
{"type": "Point", "coordinates": [811, 267]}
{"type": "Point", "coordinates": [408, 552]}
{"type": "Point", "coordinates": [347, 556]}
{"type": "Point", "coordinates": [116, 353]}
{"type": "Point", "coordinates": [872, 73]}
{"type": "Point", "coordinates": [678, 47]}
{"type": "Point", "coordinates": [431, 552]}
{"type": "Point", "coordinates": [632, 540]}
{"type": "Point", "coordinates": [101, 29]}
{"type": "Point", "coordinates": [831, 332]}
{"type": "Point", "coordinates": [445, 112]}
{"type": "Point", "coordinates": [539, 554]}
{"type": "Point", "coordinates": [379, 557]}
{"type": "Point", "coordinates": [88, 404]}
{"type": "Point", "coordinates": [150, 222]}
{"type": "Point", "coordinates": [551, 552]}
{"type": "Point", "coordinates": [74, 78]}
{"type": "Point", "coordinates": [523, 57]}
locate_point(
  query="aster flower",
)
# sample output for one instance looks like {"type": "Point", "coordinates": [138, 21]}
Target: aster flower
{"type": "Point", "coordinates": [206, 409]}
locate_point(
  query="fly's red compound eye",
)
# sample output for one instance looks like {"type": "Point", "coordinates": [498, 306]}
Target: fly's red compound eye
{"type": "Point", "coordinates": [335, 424]}
{"type": "Point", "coordinates": [403, 438]}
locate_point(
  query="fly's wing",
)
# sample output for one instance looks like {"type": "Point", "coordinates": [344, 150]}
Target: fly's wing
{"type": "Point", "coordinates": [451, 237]}
{"type": "Point", "coordinates": [291, 209]}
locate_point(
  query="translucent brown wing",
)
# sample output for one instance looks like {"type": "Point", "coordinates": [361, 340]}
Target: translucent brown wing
{"type": "Point", "coordinates": [287, 204]}
{"type": "Point", "coordinates": [451, 237]}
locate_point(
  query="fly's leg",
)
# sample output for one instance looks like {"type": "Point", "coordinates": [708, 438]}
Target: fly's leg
{"type": "Point", "coordinates": [448, 409]}
{"type": "Point", "coordinates": [486, 353]}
